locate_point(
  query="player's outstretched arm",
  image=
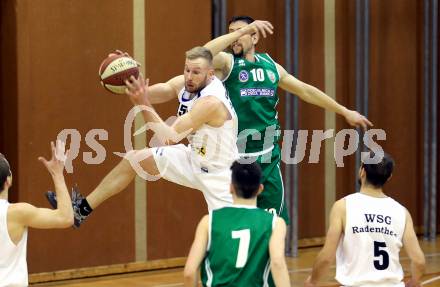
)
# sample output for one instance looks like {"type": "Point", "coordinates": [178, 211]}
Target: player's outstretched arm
{"type": "Point", "coordinates": [277, 259]}
{"type": "Point", "coordinates": [165, 92]}
{"type": "Point", "coordinates": [222, 61]}
{"type": "Point", "coordinates": [415, 253]}
{"type": "Point", "coordinates": [314, 96]}
{"type": "Point", "coordinates": [221, 43]}
{"type": "Point", "coordinates": [196, 254]}
{"type": "Point", "coordinates": [138, 92]}
{"type": "Point", "coordinates": [28, 215]}
{"type": "Point", "coordinates": [328, 252]}
{"type": "Point", "coordinates": [203, 112]}
{"type": "Point", "coordinates": [207, 110]}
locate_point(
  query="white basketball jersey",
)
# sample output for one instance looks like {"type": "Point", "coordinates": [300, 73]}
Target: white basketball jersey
{"type": "Point", "coordinates": [368, 253]}
{"type": "Point", "coordinates": [213, 148]}
{"type": "Point", "coordinates": [13, 265]}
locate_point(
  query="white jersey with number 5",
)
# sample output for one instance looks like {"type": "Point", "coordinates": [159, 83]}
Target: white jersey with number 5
{"type": "Point", "coordinates": [368, 253]}
{"type": "Point", "coordinates": [212, 147]}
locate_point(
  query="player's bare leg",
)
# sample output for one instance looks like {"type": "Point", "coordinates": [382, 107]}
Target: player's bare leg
{"type": "Point", "coordinates": [121, 176]}
{"type": "Point", "coordinates": [113, 183]}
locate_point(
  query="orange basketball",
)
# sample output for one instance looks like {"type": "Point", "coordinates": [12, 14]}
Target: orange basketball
{"type": "Point", "coordinates": [115, 69]}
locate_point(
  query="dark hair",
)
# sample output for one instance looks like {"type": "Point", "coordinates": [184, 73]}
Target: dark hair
{"type": "Point", "coordinates": [378, 173]}
{"type": "Point", "coordinates": [243, 18]}
{"type": "Point", "coordinates": [246, 179]}
{"type": "Point", "coordinates": [5, 171]}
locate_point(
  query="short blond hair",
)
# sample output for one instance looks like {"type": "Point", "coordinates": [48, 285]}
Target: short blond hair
{"type": "Point", "coordinates": [199, 52]}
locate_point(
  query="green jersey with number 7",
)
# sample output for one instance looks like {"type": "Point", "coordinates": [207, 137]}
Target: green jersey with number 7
{"type": "Point", "coordinates": [238, 247]}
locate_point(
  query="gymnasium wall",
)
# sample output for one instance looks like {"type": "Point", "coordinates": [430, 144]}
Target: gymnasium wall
{"type": "Point", "coordinates": [8, 87]}
{"type": "Point", "coordinates": [60, 45]}
{"type": "Point", "coordinates": [395, 92]}
{"type": "Point", "coordinates": [50, 54]}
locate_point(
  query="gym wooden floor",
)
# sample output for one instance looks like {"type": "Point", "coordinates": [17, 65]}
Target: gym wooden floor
{"type": "Point", "coordinates": [299, 269]}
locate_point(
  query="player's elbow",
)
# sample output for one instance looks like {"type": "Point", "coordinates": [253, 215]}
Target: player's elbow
{"type": "Point", "coordinates": [189, 271]}
{"type": "Point", "coordinates": [65, 220]}
{"type": "Point", "coordinates": [326, 261]}
{"type": "Point", "coordinates": [326, 258]}
{"type": "Point", "coordinates": [419, 262]}
{"type": "Point", "coordinates": [189, 274]}
{"type": "Point", "coordinates": [69, 221]}
{"type": "Point", "coordinates": [278, 262]}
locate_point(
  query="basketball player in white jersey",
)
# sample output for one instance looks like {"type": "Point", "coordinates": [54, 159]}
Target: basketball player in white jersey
{"type": "Point", "coordinates": [16, 218]}
{"type": "Point", "coordinates": [366, 232]}
{"type": "Point", "coordinates": [205, 116]}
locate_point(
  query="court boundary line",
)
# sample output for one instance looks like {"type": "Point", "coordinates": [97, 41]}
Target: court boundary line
{"type": "Point", "coordinates": [431, 280]}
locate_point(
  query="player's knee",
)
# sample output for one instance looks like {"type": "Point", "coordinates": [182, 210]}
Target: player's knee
{"type": "Point", "coordinates": [189, 272]}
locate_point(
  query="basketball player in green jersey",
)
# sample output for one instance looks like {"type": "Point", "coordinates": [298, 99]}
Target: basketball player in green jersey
{"type": "Point", "coordinates": [239, 245]}
{"type": "Point", "coordinates": [251, 80]}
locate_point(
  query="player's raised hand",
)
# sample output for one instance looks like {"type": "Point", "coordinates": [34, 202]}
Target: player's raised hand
{"type": "Point", "coordinates": [357, 120]}
{"type": "Point", "coordinates": [119, 52]}
{"type": "Point", "coordinates": [55, 165]}
{"type": "Point", "coordinates": [137, 90]}
{"type": "Point", "coordinates": [259, 26]}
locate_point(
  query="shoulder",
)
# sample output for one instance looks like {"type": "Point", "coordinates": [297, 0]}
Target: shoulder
{"type": "Point", "coordinates": [223, 64]}
{"type": "Point", "coordinates": [224, 58]}
{"type": "Point", "coordinates": [339, 206]}
{"type": "Point", "coordinates": [20, 207]}
{"type": "Point", "coordinates": [398, 209]}
{"type": "Point", "coordinates": [18, 211]}
{"type": "Point", "coordinates": [264, 215]}
{"type": "Point", "coordinates": [214, 87]}
{"type": "Point", "coordinates": [278, 225]}
{"type": "Point", "coordinates": [177, 83]}
{"type": "Point", "coordinates": [266, 57]}
{"type": "Point", "coordinates": [228, 57]}
{"type": "Point", "coordinates": [203, 223]}
{"type": "Point", "coordinates": [340, 203]}
{"type": "Point", "coordinates": [396, 203]}
{"type": "Point", "coordinates": [205, 219]}
{"type": "Point", "coordinates": [350, 197]}
{"type": "Point", "coordinates": [208, 102]}
{"type": "Point", "coordinates": [211, 94]}
{"type": "Point", "coordinates": [279, 222]}
{"type": "Point", "coordinates": [406, 213]}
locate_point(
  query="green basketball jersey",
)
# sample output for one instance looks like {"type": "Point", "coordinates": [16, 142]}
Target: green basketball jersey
{"type": "Point", "coordinates": [252, 88]}
{"type": "Point", "coordinates": [238, 247]}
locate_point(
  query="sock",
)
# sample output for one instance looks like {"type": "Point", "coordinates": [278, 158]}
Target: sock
{"type": "Point", "coordinates": [84, 208]}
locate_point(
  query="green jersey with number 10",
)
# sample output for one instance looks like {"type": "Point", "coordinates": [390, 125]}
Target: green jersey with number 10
{"type": "Point", "coordinates": [252, 88]}
{"type": "Point", "coordinates": [238, 247]}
